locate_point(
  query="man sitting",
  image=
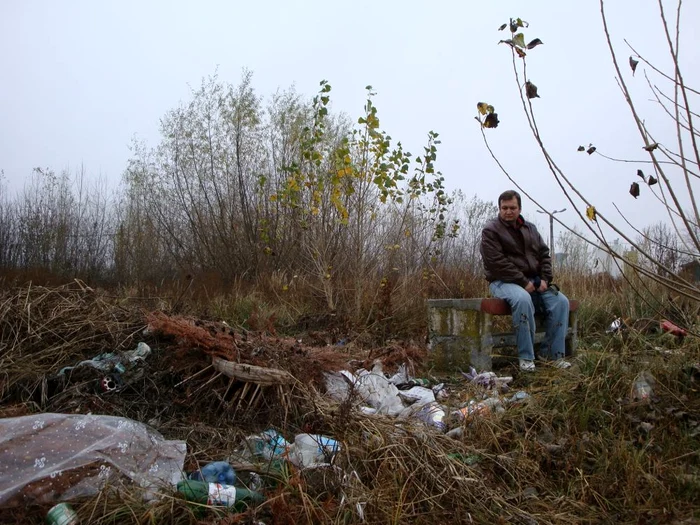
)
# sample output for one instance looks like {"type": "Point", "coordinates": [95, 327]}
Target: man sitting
{"type": "Point", "coordinates": [518, 267]}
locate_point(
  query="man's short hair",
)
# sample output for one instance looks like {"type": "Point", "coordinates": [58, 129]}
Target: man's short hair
{"type": "Point", "coordinates": [508, 195]}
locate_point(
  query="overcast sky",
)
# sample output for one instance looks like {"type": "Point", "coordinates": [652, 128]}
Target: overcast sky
{"type": "Point", "coordinates": [80, 79]}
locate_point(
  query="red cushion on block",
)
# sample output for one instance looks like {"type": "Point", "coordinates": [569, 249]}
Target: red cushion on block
{"type": "Point", "coordinates": [495, 306]}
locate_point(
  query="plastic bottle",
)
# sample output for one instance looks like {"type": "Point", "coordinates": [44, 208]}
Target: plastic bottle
{"type": "Point", "coordinates": [642, 389]}
{"type": "Point", "coordinates": [268, 444]}
{"type": "Point", "coordinates": [312, 449]}
{"type": "Point", "coordinates": [216, 472]}
{"type": "Point", "coordinates": [219, 495]}
{"type": "Point", "coordinates": [432, 414]}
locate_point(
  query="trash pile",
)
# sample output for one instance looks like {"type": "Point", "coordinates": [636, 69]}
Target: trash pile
{"type": "Point", "coordinates": [107, 404]}
{"type": "Point", "coordinates": [402, 396]}
{"type": "Point", "coordinates": [187, 420]}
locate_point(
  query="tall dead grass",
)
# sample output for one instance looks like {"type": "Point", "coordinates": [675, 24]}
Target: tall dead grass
{"type": "Point", "coordinates": [580, 450]}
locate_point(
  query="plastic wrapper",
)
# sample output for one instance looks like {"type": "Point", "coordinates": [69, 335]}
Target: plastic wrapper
{"type": "Point", "coordinates": [313, 449]}
{"type": "Point", "coordinates": [418, 395]}
{"type": "Point", "coordinates": [114, 362]}
{"type": "Point", "coordinates": [432, 414]}
{"type": "Point", "coordinates": [52, 457]}
{"type": "Point", "coordinates": [481, 408]}
{"type": "Point", "coordinates": [267, 445]}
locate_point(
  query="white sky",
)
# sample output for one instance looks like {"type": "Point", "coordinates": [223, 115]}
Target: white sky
{"type": "Point", "coordinates": [79, 79]}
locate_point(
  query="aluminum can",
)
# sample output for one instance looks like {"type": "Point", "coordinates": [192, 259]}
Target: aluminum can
{"type": "Point", "coordinates": [62, 514]}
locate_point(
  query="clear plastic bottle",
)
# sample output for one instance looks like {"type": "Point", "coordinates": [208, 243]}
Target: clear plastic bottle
{"type": "Point", "coordinates": [643, 387]}
{"type": "Point", "coordinates": [313, 449]}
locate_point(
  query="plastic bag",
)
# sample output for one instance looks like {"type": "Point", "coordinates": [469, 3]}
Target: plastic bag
{"type": "Point", "coordinates": [51, 457]}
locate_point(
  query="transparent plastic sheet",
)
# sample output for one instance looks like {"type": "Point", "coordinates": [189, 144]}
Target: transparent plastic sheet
{"type": "Point", "coordinates": [57, 457]}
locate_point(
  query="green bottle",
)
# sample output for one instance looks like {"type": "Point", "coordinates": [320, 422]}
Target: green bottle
{"type": "Point", "coordinates": [218, 495]}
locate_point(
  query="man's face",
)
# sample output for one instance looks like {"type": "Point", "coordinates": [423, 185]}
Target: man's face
{"type": "Point", "coordinates": [509, 210]}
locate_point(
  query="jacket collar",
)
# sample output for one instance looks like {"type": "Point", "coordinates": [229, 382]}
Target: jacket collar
{"type": "Point", "coordinates": [519, 222]}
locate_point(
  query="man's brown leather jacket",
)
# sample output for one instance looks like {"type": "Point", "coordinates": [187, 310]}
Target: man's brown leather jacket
{"type": "Point", "coordinates": [514, 254]}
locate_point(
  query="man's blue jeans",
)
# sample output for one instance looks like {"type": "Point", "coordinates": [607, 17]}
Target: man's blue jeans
{"type": "Point", "coordinates": [521, 303]}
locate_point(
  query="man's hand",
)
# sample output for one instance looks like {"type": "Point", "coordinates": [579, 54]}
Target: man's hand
{"type": "Point", "coordinates": [530, 287]}
{"type": "Point", "coordinates": [543, 286]}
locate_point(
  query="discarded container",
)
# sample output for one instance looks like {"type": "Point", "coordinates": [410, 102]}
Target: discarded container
{"type": "Point", "coordinates": [416, 381]}
{"type": "Point", "coordinates": [487, 380]}
{"type": "Point", "coordinates": [518, 397]}
{"type": "Point", "coordinates": [668, 326]}
{"type": "Point", "coordinates": [418, 395]}
{"type": "Point", "coordinates": [432, 414]}
{"type": "Point", "coordinates": [615, 326]}
{"type": "Point", "coordinates": [313, 449]}
{"type": "Point", "coordinates": [268, 444]}
{"type": "Point", "coordinates": [481, 408]}
{"type": "Point", "coordinates": [218, 495]}
{"type": "Point", "coordinates": [113, 362]}
{"type": "Point", "coordinates": [441, 392]}
{"type": "Point", "coordinates": [62, 514]}
{"type": "Point", "coordinates": [642, 388]}
{"type": "Point", "coordinates": [215, 472]}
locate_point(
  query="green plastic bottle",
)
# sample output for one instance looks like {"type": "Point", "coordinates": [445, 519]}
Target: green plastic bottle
{"type": "Point", "coordinates": [218, 495]}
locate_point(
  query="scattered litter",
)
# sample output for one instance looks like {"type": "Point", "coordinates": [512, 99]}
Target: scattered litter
{"type": "Point", "coordinates": [58, 457]}
{"type": "Point", "coordinates": [668, 326]}
{"type": "Point", "coordinates": [218, 495]}
{"type": "Point", "coordinates": [455, 433]}
{"type": "Point", "coordinates": [432, 414]}
{"type": "Point", "coordinates": [267, 445]}
{"type": "Point", "coordinates": [372, 387]}
{"type": "Point", "coordinates": [441, 392]}
{"type": "Point", "coordinates": [113, 362]}
{"type": "Point", "coordinates": [471, 459]}
{"type": "Point", "coordinates": [62, 514]}
{"type": "Point", "coordinates": [647, 326]}
{"type": "Point", "coordinates": [406, 397]}
{"type": "Point", "coordinates": [519, 397]}
{"type": "Point", "coordinates": [312, 450]}
{"type": "Point", "coordinates": [642, 388]}
{"type": "Point", "coordinates": [416, 381]}
{"type": "Point", "coordinates": [216, 472]}
{"type": "Point", "coordinates": [419, 395]}
{"type": "Point", "coordinates": [615, 326]}
{"type": "Point", "coordinates": [646, 426]}
{"type": "Point", "coordinates": [486, 407]}
{"type": "Point", "coordinates": [488, 380]}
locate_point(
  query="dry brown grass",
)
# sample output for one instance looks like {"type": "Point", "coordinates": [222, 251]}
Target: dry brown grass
{"type": "Point", "coordinates": [578, 452]}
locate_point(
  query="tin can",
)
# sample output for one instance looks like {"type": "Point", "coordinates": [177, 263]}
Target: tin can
{"type": "Point", "coordinates": [62, 514]}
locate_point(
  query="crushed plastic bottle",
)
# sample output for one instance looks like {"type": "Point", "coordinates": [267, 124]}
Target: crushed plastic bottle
{"type": "Point", "coordinates": [643, 387]}
{"type": "Point", "coordinates": [432, 414]}
{"type": "Point", "coordinates": [268, 444]}
{"type": "Point", "coordinates": [215, 472]}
